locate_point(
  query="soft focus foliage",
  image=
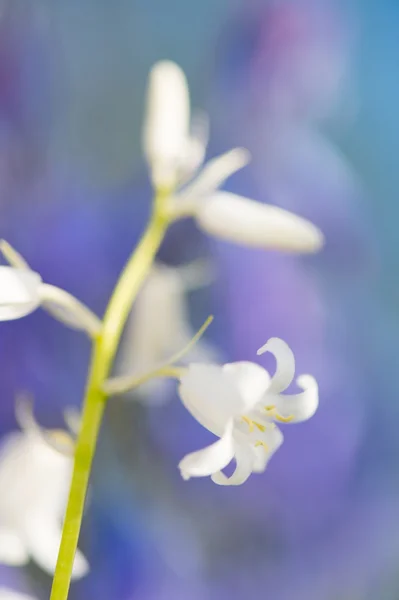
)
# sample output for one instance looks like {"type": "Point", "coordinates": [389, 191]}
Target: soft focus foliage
{"type": "Point", "coordinates": [311, 88]}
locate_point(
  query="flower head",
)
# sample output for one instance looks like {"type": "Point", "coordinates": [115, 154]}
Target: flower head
{"type": "Point", "coordinates": [34, 479]}
{"type": "Point", "coordinates": [241, 404]}
{"type": "Point", "coordinates": [175, 154]}
{"type": "Point", "coordinates": [22, 291]}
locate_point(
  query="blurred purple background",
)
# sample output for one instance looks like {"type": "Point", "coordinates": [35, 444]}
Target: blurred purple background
{"type": "Point", "coordinates": [311, 88]}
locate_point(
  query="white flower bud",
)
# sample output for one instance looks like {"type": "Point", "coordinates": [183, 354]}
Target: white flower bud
{"type": "Point", "coordinates": [166, 127]}
{"type": "Point", "coordinates": [243, 221]}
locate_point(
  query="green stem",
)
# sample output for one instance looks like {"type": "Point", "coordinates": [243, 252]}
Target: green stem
{"type": "Point", "coordinates": [104, 351]}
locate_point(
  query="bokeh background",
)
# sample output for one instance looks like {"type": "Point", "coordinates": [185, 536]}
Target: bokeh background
{"type": "Point", "coordinates": [311, 87]}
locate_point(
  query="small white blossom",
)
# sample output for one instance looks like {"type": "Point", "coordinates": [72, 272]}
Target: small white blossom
{"type": "Point", "coordinates": [19, 293]}
{"type": "Point", "coordinates": [22, 291]}
{"type": "Point", "coordinates": [34, 483]}
{"type": "Point", "coordinates": [240, 404]}
{"type": "Point", "coordinates": [175, 155]}
{"type": "Point", "coordinates": [159, 325]}
{"type": "Point", "coordinates": [8, 594]}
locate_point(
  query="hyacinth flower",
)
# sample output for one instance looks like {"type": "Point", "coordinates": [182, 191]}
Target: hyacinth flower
{"type": "Point", "coordinates": [22, 291]}
{"type": "Point", "coordinates": [241, 404]}
{"type": "Point", "coordinates": [35, 472]}
{"type": "Point", "coordinates": [181, 189]}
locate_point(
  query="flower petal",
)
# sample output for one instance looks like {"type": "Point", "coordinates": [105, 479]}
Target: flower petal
{"type": "Point", "coordinates": [285, 364]}
{"type": "Point", "coordinates": [69, 310]}
{"type": "Point", "coordinates": [8, 594]}
{"type": "Point", "coordinates": [212, 176]}
{"type": "Point", "coordinates": [19, 292]}
{"type": "Point", "coordinates": [245, 461]}
{"type": "Point", "coordinates": [300, 406]}
{"type": "Point", "coordinates": [251, 379]}
{"type": "Point", "coordinates": [43, 537]}
{"type": "Point", "coordinates": [12, 549]}
{"type": "Point", "coordinates": [210, 395]}
{"type": "Point", "coordinates": [159, 323]}
{"type": "Point", "coordinates": [211, 459]}
{"type": "Point", "coordinates": [166, 126]}
{"type": "Point", "coordinates": [196, 144]}
{"type": "Point", "coordinates": [263, 452]}
{"type": "Point", "coordinates": [14, 258]}
{"type": "Point", "coordinates": [244, 221]}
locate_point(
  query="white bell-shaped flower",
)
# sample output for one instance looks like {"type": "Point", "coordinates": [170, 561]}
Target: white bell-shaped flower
{"type": "Point", "coordinates": [175, 154]}
{"type": "Point", "coordinates": [19, 293]}
{"type": "Point", "coordinates": [34, 482]}
{"type": "Point", "coordinates": [240, 404]}
{"type": "Point", "coordinates": [8, 594]}
{"type": "Point", "coordinates": [22, 291]}
{"type": "Point", "coordinates": [159, 324]}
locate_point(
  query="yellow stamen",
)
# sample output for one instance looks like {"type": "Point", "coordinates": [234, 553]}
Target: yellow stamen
{"type": "Point", "coordinates": [271, 409]}
{"type": "Point", "coordinates": [282, 419]}
{"type": "Point", "coordinates": [259, 426]}
{"type": "Point", "coordinates": [260, 443]}
{"type": "Point", "coordinates": [249, 422]}
{"type": "Point", "coordinates": [62, 439]}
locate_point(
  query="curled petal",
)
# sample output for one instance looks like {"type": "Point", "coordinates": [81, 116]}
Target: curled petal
{"type": "Point", "coordinates": [14, 258]}
{"type": "Point", "coordinates": [69, 310]}
{"type": "Point", "coordinates": [302, 406]}
{"type": "Point", "coordinates": [167, 120]}
{"type": "Point", "coordinates": [19, 292]}
{"type": "Point", "coordinates": [58, 440]}
{"type": "Point", "coordinates": [285, 364]}
{"type": "Point", "coordinates": [244, 221]}
{"type": "Point", "coordinates": [245, 461]}
{"type": "Point", "coordinates": [211, 459]}
{"type": "Point", "coordinates": [212, 176]}
{"type": "Point", "coordinates": [251, 379]}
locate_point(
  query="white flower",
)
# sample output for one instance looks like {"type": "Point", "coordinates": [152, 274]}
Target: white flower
{"type": "Point", "coordinates": [8, 594]}
{"type": "Point", "coordinates": [175, 155]}
{"type": "Point", "coordinates": [159, 325]}
{"type": "Point", "coordinates": [34, 483]}
{"type": "Point", "coordinates": [19, 293]}
{"type": "Point", "coordinates": [240, 403]}
{"type": "Point", "coordinates": [22, 291]}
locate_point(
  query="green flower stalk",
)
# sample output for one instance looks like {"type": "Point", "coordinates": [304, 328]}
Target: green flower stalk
{"type": "Point", "coordinates": [104, 350]}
